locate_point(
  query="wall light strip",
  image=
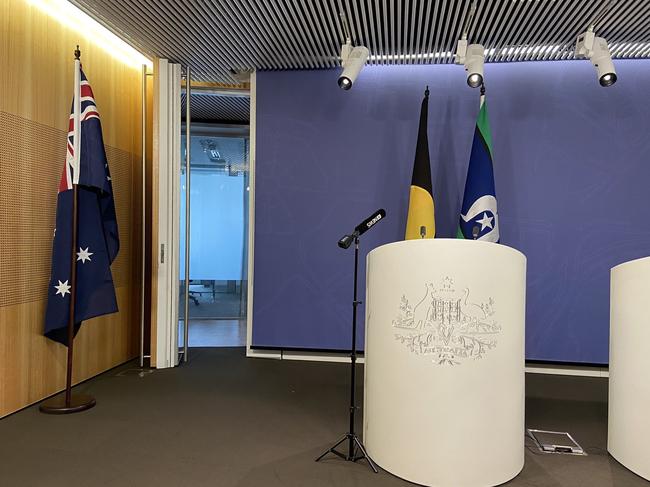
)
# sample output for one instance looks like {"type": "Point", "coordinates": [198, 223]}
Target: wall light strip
{"type": "Point", "coordinates": [518, 50]}
{"type": "Point", "coordinates": [618, 50]}
{"type": "Point", "coordinates": [504, 51]}
{"type": "Point", "coordinates": [393, 57]}
{"type": "Point", "coordinates": [91, 30]}
{"type": "Point", "coordinates": [624, 49]}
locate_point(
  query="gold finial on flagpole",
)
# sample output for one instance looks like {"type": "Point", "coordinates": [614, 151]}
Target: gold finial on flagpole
{"type": "Point", "coordinates": [77, 53]}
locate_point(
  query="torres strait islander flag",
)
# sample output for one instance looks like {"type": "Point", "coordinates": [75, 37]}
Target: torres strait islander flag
{"type": "Point", "coordinates": [97, 235]}
{"type": "Point", "coordinates": [420, 222]}
{"type": "Point", "coordinates": [478, 218]}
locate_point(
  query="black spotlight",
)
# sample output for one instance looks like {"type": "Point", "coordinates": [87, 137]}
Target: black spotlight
{"type": "Point", "coordinates": [345, 83]}
{"type": "Point", "coordinates": [608, 79]}
{"type": "Point", "coordinates": [475, 80]}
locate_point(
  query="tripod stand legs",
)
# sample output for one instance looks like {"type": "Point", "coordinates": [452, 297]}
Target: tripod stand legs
{"type": "Point", "coordinates": [333, 449]}
{"type": "Point", "coordinates": [354, 443]}
{"type": "Point", "coordinates": [363, 455]}
{"type": "Point", "coordinates": [352, 455]}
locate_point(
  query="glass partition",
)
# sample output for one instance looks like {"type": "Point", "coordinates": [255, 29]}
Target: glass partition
{"type": "Point", "coordinates": [218, 240]}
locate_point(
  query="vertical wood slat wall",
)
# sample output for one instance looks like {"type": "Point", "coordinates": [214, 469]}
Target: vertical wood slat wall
{"type": "Point", "coordinates": [36, 54]}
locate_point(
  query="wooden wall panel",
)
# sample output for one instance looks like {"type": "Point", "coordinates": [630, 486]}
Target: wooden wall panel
{"type": "Point", "coordinates": [36, 78]}
{"type": "Point", "coordinates": [27, 205]}
{"type": "Point", "coordinates": [36, 53]}
{"type": "Point", "coordinates": [33, 367]}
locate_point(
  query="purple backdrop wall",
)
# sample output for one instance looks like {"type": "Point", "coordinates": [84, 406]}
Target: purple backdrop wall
{"type": "Point", "coordinates": [572, 172]}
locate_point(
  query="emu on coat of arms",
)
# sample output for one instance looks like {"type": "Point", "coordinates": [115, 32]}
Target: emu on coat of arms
{"type": "Point", "coordinates": [447, 324]}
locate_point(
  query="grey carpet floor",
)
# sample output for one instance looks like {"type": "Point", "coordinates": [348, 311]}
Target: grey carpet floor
{"type": "Point", "coordinates": [224, 420]}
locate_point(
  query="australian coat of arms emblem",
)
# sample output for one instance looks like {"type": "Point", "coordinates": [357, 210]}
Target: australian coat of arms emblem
{"type": "Point", "coordinates": [447, 323]}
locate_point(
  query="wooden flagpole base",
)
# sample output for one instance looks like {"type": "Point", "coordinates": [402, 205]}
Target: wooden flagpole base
{"type": "Point", "coordinates": [59, 405]}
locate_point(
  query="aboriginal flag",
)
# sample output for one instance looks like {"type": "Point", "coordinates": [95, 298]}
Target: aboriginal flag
{"type": "Point", "coordinates": [420, 222]}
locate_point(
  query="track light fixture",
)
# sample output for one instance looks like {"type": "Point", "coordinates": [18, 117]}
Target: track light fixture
{"type": "Point", "coordinates": [472, 56]}
{"type": "Point", "coordinates": [352, 59]}
{"type": "Point", "coordinates": [596, 50]}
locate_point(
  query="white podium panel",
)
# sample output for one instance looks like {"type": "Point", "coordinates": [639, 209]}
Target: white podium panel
{"type": "Point", "coordinates": [444, 361]}
{"type": "Point", "coordinates": [629, 366]}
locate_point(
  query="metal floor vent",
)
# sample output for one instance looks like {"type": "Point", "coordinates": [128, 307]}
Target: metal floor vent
{"type": "Point", "coordinates": [138, 372]}
{"type": "Point", "coordinates": [555, 442]}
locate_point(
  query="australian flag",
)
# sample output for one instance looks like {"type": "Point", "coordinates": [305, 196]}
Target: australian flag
{"type": "Point", "coordinates": [97, 236]}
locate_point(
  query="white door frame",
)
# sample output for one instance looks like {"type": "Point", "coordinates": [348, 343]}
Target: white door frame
{"type": "Point", "coordinates": [168, 119]}
{"type": "Point", "coordinates": [169, 165]}
{"type": "Point", "coordinates": [250, 352]}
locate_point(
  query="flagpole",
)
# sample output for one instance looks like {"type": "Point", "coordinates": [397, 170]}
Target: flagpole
{"type": "Point", "coordinates": [75, 213]}
{"type": "Point", "coordinates": [143, 223]}
{"type": "Point", "coordinates": [69, 403]}
{"type": "Point", "coordinates": [188, 180]}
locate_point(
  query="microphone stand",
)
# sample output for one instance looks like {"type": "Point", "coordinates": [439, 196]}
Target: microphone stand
{"type": "Point", "coordinates": [354, 443]}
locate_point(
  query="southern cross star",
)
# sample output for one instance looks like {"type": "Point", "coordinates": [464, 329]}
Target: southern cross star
{"type": "Point", "coordinates": [62, 288]}
{"type": "Point", "coordinates": [83, 255]}
{"type": "Point", "coordinates": [486, 221]}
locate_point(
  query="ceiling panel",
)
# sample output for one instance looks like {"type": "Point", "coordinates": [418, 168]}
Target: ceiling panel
{"type": "Point", "coordinates": [214, 36]}
{"type": "Point", "coordinates": [217, 108]}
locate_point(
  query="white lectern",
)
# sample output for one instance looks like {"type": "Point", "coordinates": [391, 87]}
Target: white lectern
{"type": "Point", "coordinates": [444, 361]}
{"type": "Point", "coordinates": [629, 366]}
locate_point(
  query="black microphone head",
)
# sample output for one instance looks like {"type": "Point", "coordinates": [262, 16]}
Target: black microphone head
{"type": "Point", "coordinates": [423, 231]}
{"type": "Point", "coordinates": [370, 221]}
{"type": "Point", "coordinates": [346, 241]}
{"type": "Point", "coordinates": [475, 231]}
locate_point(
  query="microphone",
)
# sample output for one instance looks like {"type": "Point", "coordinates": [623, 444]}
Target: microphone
{"type": "Point", "coordinates": [346, 241]}
{"type": "Point", "coordinates": [366, 224]}
{"type": "Point", "coordinates": [475, 232]}
{"type": "Point", "coordinates": [423, 231]}
{"type": "Point", "coordinates": [361, 228]}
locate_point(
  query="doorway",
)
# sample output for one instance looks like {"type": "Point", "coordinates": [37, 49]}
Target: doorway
{"type": "Point", "coordinates": [218, 244]}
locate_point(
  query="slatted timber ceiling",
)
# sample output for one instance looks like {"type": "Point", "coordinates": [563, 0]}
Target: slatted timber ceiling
{"type": "Point", "coordinates": [217, 108]}
{"type": "Point", "coordinates": [214, 36]}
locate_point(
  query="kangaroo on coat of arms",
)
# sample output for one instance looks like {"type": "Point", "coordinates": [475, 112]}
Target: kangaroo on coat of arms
{"type": "Point", "coordinates": [447, 324]}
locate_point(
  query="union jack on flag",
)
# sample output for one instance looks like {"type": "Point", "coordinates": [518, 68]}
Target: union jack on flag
{"type": "Point", "coordinates": [97, 236]}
